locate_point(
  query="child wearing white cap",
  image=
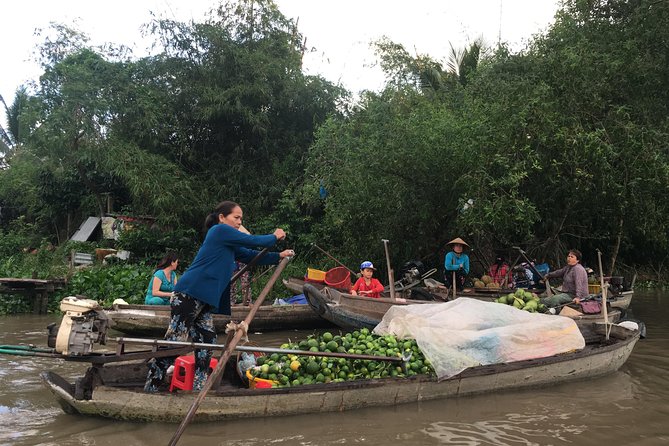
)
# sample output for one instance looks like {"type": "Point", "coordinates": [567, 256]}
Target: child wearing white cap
{"type": "Point", "coordinates": [367, 285]}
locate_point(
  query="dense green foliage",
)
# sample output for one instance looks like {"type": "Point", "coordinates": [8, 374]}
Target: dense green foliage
{"type": "Point", "coordinates": [561, 145]}
{"type": "Point", "coordinates": [108, 283]}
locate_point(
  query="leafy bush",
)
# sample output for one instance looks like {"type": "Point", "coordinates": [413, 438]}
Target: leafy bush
{"type": "Point", "coordinates": [150, 244]}
{"type": "Point", "coordinates": [19, 237]}
{"type": "Point", "coordinates": [13, 303]}
{"type": "Point", "coordinates": [107, 283]}
{"type": "Point", "coordinates": [44, 262]}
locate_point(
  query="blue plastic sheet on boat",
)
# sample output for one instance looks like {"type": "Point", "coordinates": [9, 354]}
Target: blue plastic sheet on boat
{"type": "Point", "coordinates": [294, 300]}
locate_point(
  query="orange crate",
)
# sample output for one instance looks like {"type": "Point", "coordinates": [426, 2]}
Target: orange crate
{"type": "Point", "coordinates": [255, 382]}
{"type": "Point", "coordinates": [315, 275]}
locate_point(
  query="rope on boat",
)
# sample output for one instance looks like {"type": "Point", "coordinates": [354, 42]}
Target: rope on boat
{"type": "Point", "coordinates": [232, 327]}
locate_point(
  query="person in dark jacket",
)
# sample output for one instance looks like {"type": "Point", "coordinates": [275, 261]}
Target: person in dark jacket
{"type": "Point", "coordinates": [204, 288]}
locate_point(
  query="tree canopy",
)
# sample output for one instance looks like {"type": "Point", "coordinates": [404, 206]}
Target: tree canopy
{"type": "Point", "coordinates": [560, 145]}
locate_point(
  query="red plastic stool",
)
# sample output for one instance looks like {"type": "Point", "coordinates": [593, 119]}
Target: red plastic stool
{"type": "Point", "coordinates": [184, 372]}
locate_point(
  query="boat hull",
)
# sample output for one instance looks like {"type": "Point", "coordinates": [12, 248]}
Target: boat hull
{"type": "Point", "coordinates": [117, 401]}
{"type": "Point", "coordinates": [355, 312]}
{"type": "Point", "coordinates": [153, 320]}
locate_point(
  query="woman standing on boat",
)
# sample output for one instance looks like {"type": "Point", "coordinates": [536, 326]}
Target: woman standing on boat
{"type": "Point", "coordinates": [204, 288]}
{"type": "Point", "coordinates": [163, 280]}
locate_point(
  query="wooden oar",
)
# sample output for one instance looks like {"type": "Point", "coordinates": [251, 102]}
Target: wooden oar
{"type": "Point", "coordinates": [604, 290]}
{"type": "Point", "coordinates": [227, 352]}
{"type": "Point", "coordinates": [391, 277]}
{"type": "Point", "coordinates": [336, 261]}
{"type": "Point", "coordinates": [549, 290]}
{"type": "Point", "coordinates": [243, 348]}
{"type": "Point", "coordinates": [249, 265]}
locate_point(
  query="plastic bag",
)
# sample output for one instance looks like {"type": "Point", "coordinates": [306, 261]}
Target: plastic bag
{"type": "Point", "coordinates": [467, 332]}
{"type": "Point", "coordinates": [591, 307]}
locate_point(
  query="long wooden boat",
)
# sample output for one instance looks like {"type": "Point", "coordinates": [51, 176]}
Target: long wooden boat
{"type": "Point", "coordinates": [152, 320]}
{"type": "Point", "coordinates": [115, 390]}
{"type": "Point", "coordinates": [621, 300]}
{"type": "Point", "coordinates": [296, 285]}
{"type": "Point", "coordinates": [354, 312]}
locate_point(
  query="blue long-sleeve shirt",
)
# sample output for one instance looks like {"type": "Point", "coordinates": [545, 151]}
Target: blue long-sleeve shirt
{"type": "Point", "coordinates": [453, 261]}
{"type": "Point", "coordinates": [209, 275]}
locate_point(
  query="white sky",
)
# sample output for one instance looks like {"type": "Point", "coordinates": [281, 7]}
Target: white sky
{"type": "Point", "coordinates": [340, 30]}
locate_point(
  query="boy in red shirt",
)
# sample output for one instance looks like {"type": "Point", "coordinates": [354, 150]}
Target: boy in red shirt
{"type": "Point", "coordinates": [367, 285]}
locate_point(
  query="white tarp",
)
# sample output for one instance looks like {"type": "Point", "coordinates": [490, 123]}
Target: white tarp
{"type": "Point", "coordinates": [468, 332]}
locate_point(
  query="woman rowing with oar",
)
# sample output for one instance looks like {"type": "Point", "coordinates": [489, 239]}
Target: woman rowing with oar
{"type": "Point", "coordinates": [205, 287]}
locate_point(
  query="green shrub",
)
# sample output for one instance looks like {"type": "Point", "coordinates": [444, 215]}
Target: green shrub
{"type": "Point", "coordinates": [107, 283]}
{"type": "Point", "coordinates": [20, 237]}
{"type": "Point", "coordinates": [150, 244]}
{"type": "Point", "coordinates": [14, 303]}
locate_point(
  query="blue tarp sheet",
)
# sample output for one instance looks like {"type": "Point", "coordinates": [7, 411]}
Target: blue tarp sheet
{"type": "Point", "coordinates": [294, 300]}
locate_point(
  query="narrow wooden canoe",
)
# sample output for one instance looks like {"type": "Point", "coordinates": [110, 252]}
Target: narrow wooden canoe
{"type": "Point", "coordinates": [354, 312]}
{"type": "Point", "coordinates": [622, 300]}
{"type": "Point", "coordinates": [114, 390]}
{"type": "Point", "coordinates": [296, 285]}
{"type": "Point", "coordinates": [152, 320]}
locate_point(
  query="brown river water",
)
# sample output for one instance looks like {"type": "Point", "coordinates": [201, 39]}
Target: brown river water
{"type": "Point", "coordinates": [628, 407]}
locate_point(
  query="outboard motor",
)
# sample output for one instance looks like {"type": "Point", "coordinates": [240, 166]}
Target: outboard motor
{"type": "Point", "coordinates": [616, 284]}
{"type": "Point", "coordinates": [84, 324]}
{"type": "Point", "coordinates": [412, 271]}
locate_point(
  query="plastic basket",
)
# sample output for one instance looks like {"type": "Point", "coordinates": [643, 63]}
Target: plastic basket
{"type": "Point", "coordinates": [315, 275]}
{"type": "Point", "coordinates": [259, 383]}
{"type": "Point", "coordinates": [338, 277]}
{"type": "Point", "coordinates": [594, 288]}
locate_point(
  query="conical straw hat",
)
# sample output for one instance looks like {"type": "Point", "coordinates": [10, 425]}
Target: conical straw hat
{"type": "Point", "coordinates": [459, 241]}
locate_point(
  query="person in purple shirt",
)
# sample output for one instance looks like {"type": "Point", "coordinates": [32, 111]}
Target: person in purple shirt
{"type": "Point", "coordinates": [574, 281]}
{"type": "Point", "coordinates": [204, 288]}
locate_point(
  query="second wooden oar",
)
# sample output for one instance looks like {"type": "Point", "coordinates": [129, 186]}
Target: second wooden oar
{"type": "Point", "coordinates": [227, 352]}
{"type": "Point", "coordinates": [243, 348]}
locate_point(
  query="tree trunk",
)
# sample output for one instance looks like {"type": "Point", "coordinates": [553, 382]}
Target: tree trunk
{"type": "Point", "coordinates": [616, 246]}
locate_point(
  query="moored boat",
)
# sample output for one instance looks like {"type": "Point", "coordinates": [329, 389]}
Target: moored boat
{"type": "Point", "coordinates": [152, 320]}
{"type": "Point", "coordinates": [115, 390]}
{"type": "Point", "coordinates": [352, 312]}
{"type": "Point", "coordinates": [423, 292]}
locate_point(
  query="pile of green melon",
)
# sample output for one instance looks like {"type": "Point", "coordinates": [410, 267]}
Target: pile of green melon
{"type": "Point", "coordinates": [524, 300]}
{"type": "Point", "coordinates": [295, 370]}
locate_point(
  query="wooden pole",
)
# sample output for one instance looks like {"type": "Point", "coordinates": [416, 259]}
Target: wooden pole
{"type": "Point", "coordinates": [605, 311]}
{"type": "Point", "coordinates": [335, 260]}
{"type": "Point", "coordinates": [391, 277]}
{"type": "Point", "coordinates": [454, 286]}
{"type": "Point", "coordinates": [245, 348]}
{"type": "Point", "coordinates": [227, 352]}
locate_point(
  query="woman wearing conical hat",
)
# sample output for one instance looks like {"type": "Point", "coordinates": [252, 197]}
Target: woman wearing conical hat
{"type": "Point", "coordinates": [457, 262]}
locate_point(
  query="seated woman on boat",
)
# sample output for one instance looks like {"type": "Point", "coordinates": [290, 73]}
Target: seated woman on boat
{"type": "Point", "coordinates": [456, 264]}
{"type": "Point", "coordinates": [163, 280]}
{"type": "Point", "coordinates": [500, 272]}
{"type": "Point", "coordinates": [367, 285]}
{"type": "Point", "coordinates": [523, 277]}
{"type": "Point", "coordinates": [204, 289]}
{"type": "Point", "coordinates": [574, 281]}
